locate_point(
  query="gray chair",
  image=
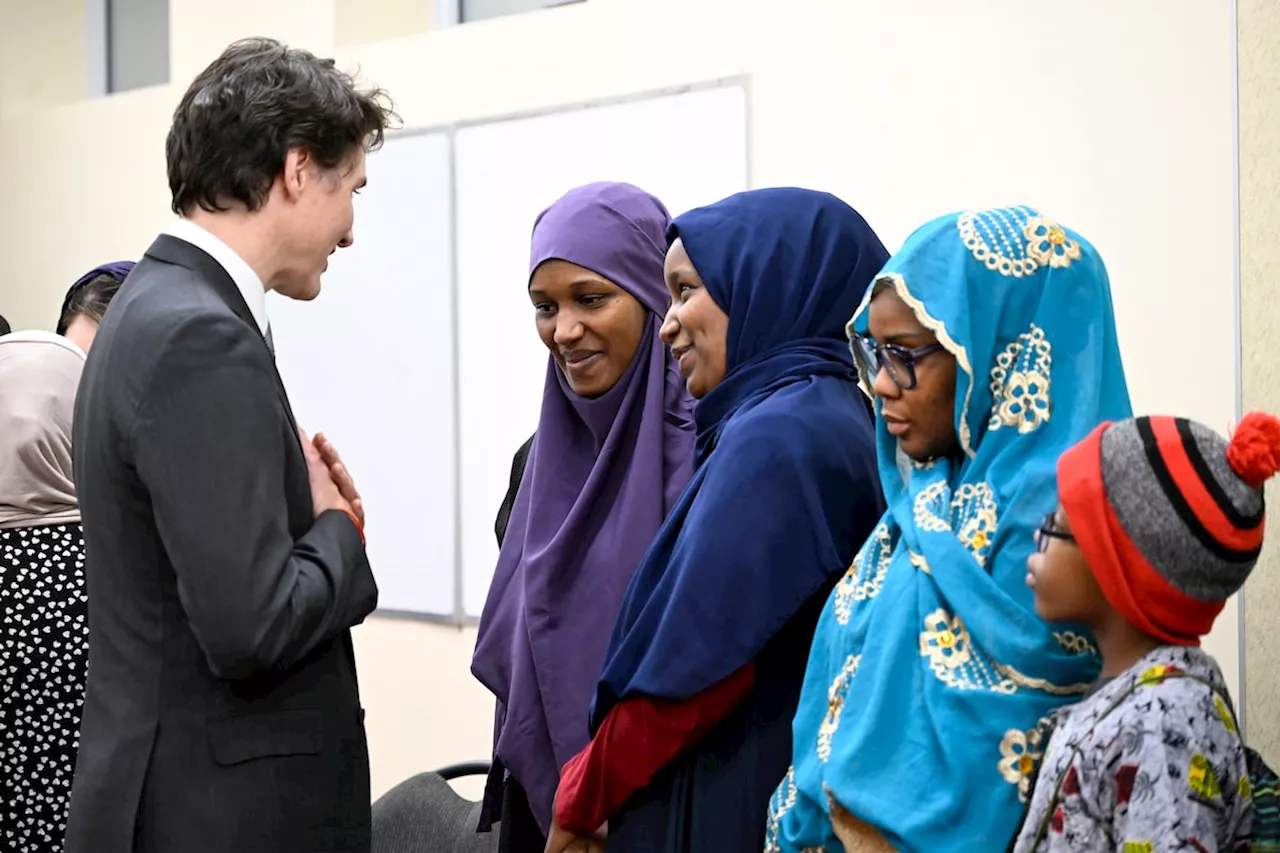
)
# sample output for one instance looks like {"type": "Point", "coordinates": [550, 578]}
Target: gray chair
{"type": "Point", "coordinates": [424, 814]}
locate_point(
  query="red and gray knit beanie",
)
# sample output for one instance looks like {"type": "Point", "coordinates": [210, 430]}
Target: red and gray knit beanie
{"type": "Point", "coordinates": [1169, 516]}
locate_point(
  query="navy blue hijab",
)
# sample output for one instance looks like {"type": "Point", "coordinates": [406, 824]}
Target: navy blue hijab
{"type": "Point", "coordinates": [785, 485]}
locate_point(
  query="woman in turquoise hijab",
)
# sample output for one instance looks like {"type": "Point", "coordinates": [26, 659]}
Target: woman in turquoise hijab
{"type": "Point", "coordinates": [990, 346]}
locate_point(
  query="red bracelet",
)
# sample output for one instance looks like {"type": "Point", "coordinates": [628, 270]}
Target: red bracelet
{"type": "Point", "coordinates": [359, 527]}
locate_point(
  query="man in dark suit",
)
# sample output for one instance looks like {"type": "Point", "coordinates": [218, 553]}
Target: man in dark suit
{"type": "Point", "coordinates": [226, 561]}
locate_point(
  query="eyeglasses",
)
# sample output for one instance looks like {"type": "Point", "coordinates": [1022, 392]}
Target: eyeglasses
{"type": "Point", "coordinates": [1049, 530]}
{"type": "Point", "coordinates": [899, 361]}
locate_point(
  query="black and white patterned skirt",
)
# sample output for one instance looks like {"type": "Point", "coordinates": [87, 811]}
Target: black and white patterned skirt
{"type": "Point", "coordinates": [43, 655]}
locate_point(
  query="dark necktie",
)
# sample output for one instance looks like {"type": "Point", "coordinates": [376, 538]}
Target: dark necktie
{"type": "Point", "coordinates": [271, 346]}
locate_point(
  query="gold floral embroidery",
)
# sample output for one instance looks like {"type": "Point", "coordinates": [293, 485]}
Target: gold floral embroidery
{"type": "Point", "coordinates": [782, 801]}
{"type": "Point", "coordinates": [957, 663]}
{"type": "Point", "coordinates": [971, 513]}
{"type": "Point", "coordinates": [865, 577]}
{"type": "Point", "coordinates": [1020, 754]}
{"type": "Point", "coordinates": [835, 705]}
{"type": "Point", "coordinates": [930, 508]}
{"type": "Point", "coordinates": [1016, 241]}
{"type": "Point", "coordinates": [1139, 847]}
{"type": "Point", "coordinates": [1074, 643]}
{"type": "Point", "coordinates": [919, 561]}
{"type": "Point", "coordinates": [1048, 244]}
{"type": "Point", "coordinates": [996, 239]}
{"type": "Point", "coordinates": [1020, 383]}
{"type": "Point", "coordinates": [945, 642]}
{"type": "Point", "coordinates": [1044, 685]}
{"type": "Point", "coordinates": [974, 516]}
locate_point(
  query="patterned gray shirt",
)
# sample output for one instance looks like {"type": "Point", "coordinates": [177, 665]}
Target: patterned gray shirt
{"type": "Point", "coordinates": [1161, 769]}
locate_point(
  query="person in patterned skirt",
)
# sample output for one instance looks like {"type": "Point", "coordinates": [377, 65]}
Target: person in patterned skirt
{"type": "Point", "coordinates": [44, 645]}
{"type": "Point", "coordinates": [1161, 521]}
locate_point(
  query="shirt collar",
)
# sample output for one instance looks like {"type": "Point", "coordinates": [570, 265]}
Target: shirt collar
{"type": "Point", "coordinates": [247, 281]}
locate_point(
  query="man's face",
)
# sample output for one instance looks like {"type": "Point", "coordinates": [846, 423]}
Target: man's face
{"type": "Point", "coordinates": [318, 221]}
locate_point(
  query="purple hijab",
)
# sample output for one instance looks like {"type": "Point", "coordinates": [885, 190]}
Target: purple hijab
{"type": "Point", "coordinates": [601, 476]}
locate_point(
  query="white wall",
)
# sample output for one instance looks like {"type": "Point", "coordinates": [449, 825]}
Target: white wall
{"type": "Point", "coordinates": [1115, 118]}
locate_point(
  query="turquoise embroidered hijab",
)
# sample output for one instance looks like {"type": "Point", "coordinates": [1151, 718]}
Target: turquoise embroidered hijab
{"type": "Point", "coordinates": [930, 674]}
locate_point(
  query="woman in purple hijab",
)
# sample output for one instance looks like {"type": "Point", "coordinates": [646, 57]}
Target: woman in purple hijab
{"type": "Point", "coordinates": [612, 453]}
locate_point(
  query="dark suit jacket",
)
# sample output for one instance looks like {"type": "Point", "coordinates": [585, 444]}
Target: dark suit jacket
{"type": "Point", "coordinates": [221, 712]}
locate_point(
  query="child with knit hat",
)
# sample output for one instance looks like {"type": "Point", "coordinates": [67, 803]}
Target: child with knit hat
{"type": "Point", "coordinates": [1161, 521]}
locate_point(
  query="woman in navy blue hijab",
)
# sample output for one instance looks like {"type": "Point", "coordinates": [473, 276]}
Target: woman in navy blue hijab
{"type": "Point", "coordinates": [692, 717]}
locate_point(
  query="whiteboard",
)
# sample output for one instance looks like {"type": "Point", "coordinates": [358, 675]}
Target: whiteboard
{"type": "Point", "coordinates": [370, 363]}
{"type": "Point", "coordinates": [688, 149]}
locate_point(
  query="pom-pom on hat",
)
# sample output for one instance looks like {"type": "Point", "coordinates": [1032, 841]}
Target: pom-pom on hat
{"type": "Point", "coordinates": [1169, 516]}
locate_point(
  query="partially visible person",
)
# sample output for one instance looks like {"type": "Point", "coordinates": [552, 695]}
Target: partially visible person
{"type": "Point", "coordinates": [612, 453]}
{"type": "Point", "coordinates": [86, 302]}
{"type": "Point", "coordinates": [1161, 521]}
{"type": "Point", "coordinates": [226, 560]}
{"type": "Point", "coordinates": [990, 345]}
{"type": "Point", "coordinates": [692, 715]}
{"type": "Point", "coordinates": [43, 635]}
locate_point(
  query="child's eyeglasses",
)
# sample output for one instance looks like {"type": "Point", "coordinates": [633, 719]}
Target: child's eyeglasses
{"type": "Point", "coordinates": [1049, 530]}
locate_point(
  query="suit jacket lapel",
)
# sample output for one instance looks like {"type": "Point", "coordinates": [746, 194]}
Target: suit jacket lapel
{"type": "Point", "coordinates": [171, 250]}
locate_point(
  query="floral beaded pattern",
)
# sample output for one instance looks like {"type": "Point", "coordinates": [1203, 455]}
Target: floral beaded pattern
{"type": "Point", "coordinates": [1048, 244]}
{"type": "Point", "coordinates": [958, 663]}
{"type": "Point", "coordinates": [1020, 383]}
{"type": "Point", "coordinates": [1074, 643]}
{"type": "Point", "coordinates": [1016, 241]}
{"type": "Point", "coordinates": [866, 575]}
{"type": "Point", "coordinates": [782, 801]}
{"type": "Point", "coordinates": [835, 706]}
{"type": "Point", "coordinates": [972, 513]}
{"type": "Point", "coordinates": [945, 642]}
{"type": "Point", "coordinates": [1020, 754]}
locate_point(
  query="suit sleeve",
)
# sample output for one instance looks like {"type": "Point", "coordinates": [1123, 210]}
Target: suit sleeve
{"type": "Point", "coordinates": [211, 450]}
{"type": "Point", "coordinates": [638, 738]}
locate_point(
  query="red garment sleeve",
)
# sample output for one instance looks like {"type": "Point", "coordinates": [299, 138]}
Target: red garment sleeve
{"type": "Point", "coordinates": [639, 737]}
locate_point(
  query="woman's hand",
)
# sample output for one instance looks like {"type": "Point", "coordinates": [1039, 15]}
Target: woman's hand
{"type": "Point", "coordinates": [856, 835]}
{"type": "Point", "coordinates": [563, 841]}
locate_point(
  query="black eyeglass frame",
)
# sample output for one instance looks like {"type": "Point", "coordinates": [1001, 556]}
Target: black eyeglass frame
{"type": "Point", "coordinates": [871, 354]}
{"type": "Point", "coordinates": [1049, 530]}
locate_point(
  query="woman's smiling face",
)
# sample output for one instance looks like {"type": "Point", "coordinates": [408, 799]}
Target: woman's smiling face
{"type": "Point", "coordinates": [696, 328]}
{"type": "Point", "coordinates": [592, 326]}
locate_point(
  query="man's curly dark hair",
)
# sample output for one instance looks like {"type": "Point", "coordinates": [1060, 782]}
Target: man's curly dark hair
{"type": "Point", "coordinates": [244, 113]}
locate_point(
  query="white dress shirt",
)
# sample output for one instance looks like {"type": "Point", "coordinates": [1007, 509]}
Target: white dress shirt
{"type": "Point", "coordinates": [247, 281]}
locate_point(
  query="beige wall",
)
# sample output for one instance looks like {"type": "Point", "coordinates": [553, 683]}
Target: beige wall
{"type": "Point", "coordinates": [361, 22]}
{"type": "Point", "coordinates": [1117, 119]}
{"type": "Point", "coordinates": [1259, 62]}
{"type": "Point", "coordinates": [423, 709]}
{"type": "Point", "coordinates": [42, 55]}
